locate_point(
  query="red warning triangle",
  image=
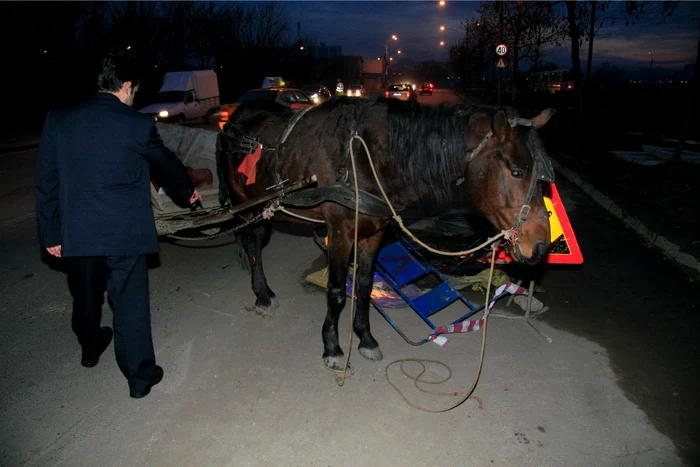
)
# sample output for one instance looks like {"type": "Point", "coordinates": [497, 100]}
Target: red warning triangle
{"type": "Point", "coordinates": [564, 249]}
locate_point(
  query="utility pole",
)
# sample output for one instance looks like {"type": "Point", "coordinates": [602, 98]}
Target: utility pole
{"type": "Point", "coordinates": [500, 41]}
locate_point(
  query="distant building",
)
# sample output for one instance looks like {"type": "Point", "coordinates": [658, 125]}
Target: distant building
{"type": "Point", "coordinates": [372, 74]}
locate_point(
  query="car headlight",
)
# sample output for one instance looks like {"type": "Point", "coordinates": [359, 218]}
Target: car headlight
{"type": "Point", "coordinates": [163, 114]}
{"type": "Point", "coordinates": [314, 98]}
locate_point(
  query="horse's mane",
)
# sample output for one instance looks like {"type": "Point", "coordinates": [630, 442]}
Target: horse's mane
{"type": "Point", "coordinates": [429, 144]}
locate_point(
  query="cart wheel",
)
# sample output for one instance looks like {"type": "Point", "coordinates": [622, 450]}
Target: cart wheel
{"type": "Point", "coordinates": [180, 120]}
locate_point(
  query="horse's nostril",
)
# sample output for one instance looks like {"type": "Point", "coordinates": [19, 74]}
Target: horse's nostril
{"type": "Point", "coordinates": [540, 249]}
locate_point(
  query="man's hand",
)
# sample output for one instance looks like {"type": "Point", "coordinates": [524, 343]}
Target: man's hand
{"type": "Point", "coordinates": [54, 251]}
{"type": "Point", "coordinates": [196, 196]}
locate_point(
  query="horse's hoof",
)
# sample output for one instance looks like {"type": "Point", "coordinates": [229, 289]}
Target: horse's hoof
{"type": "Point", "coordinates": [274, 303]}
{"type": "Point", "coordinates": [371, 354]}
{"type": "Point", "coordinates": [264, 311]}
{"type": "Point", "coordinates": [336, 363]}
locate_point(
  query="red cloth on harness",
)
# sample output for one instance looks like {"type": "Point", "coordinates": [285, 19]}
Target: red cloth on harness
{"type": "Point", "coordinates": [247, 167]}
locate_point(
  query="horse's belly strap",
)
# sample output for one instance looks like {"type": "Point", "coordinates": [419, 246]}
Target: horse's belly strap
{"type": "Point", "coordinates": [370, 204]}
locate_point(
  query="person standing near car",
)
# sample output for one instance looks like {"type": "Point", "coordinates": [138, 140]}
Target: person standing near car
{"type": "Point", "coordinates": [339, 88]}
{"type": "Point", "coordinates": [94, 212]}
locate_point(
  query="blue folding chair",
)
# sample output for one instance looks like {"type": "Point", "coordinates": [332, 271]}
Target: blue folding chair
{"type": "Point", "coordinates": [400, 264]}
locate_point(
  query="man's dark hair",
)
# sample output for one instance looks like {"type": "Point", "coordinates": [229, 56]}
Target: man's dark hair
{"type": "Point", "coordinates": [116, 70]}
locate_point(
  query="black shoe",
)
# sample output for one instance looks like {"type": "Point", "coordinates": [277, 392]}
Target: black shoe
{"type": "Point", "coordinates": [88, 361]}
{"type": "Point", "coordinates": [157, 379]}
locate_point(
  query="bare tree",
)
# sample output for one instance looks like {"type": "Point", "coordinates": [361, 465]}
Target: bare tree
{"type": "Point", "coordinates": [470, 57]}
{"type": "Point", "coordinates": [528, 29]}
{"type": "Point", "coordinates": [585, 22]}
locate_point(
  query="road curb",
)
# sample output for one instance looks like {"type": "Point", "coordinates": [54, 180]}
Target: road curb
{"type": "Point", "coordinates": [669, 249]}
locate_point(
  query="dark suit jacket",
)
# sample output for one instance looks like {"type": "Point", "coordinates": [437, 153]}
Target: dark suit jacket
{"type": "Point", "coordinates": [93, 179]}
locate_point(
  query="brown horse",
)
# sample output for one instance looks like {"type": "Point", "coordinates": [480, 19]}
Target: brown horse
{"type": "Point", "coordinates": [418, 152]}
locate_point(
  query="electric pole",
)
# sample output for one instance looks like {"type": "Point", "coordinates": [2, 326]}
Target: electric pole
{"type": "Point", "coordinates": [500, 41]}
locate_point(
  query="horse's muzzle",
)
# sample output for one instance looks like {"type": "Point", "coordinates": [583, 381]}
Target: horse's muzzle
{"type": "Point", "coordinates": [539, 249]}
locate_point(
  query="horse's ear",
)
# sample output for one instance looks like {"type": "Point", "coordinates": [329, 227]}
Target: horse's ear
{"type": "Point", "coordinates": [540, 120]}
{"type": "Point", "coordinates": [499, 125]}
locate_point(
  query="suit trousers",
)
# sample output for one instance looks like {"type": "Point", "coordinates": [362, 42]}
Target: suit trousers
{"type": "Point", "coordinates": [125, 278]}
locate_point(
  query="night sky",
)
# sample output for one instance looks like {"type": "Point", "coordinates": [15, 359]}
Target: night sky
{"type": "Point", "coordinates": [362, 28]}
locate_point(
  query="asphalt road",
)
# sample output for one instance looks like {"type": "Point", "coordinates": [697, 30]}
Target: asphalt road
{"type": "Point", "coordinates": [617, 386]}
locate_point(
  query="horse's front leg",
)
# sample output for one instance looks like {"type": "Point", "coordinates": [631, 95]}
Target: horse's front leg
{"type": "Point", "coordinates": [252, 240]}
{"type": "Point", "coordinates": [366, 255]}
{"type": "Point", "coordinates": [339, 246]}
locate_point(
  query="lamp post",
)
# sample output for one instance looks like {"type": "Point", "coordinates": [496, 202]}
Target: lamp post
{"type": "Point", "coordinates": [651, 62]}
{"type": "Point", "coordinates": [386, 58]}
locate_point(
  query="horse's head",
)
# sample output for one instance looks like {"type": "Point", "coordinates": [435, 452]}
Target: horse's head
{"type": "Point", "coordinates": [504, 166]}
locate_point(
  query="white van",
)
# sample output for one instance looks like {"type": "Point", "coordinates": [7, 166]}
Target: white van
{"type": "Point", "coordinates": [186, 95]}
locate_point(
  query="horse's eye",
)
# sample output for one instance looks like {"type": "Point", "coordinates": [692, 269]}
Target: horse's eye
{"type": "Point", "coordinates": [516, 173]}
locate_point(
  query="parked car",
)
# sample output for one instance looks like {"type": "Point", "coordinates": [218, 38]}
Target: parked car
{"type": "Point", "coordinates": [426, 88]}
{"type": "Point", "coordinates": [356, 90]}
{"type": "Point", "coordinates": [291, 97]}
{"type": "Point", "coordinates": [401, 92]}
{"type": "Point", "coordinates": [317, 93]}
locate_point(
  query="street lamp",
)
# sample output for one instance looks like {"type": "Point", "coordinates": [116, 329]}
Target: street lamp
{"type": "Point", "coordinates": [386, 57]}
{"type": "Point", "coordinates": [651, 62]}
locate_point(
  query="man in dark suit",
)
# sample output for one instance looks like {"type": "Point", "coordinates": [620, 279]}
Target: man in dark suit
{"type": "Point", "coordinates": [93, 180]}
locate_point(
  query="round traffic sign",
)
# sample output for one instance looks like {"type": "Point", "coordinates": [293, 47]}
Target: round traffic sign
{"type": "Point", "coordinates": [501, 49]}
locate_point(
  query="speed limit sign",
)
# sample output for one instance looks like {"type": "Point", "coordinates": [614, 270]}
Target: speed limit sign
{"type": "Point", "coordinates": [501, 49]}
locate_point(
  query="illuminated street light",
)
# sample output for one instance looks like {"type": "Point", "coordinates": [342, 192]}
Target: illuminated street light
{"type": "Point", "coordinates": [442, 28]}
{"type": "Point", "coordinates": [442, 2]}
{"type": "Point", "coordinates": [398, 51]}
{"type": "Point", "coordinates": [301, 47]}
{"type": "Point", "coordinates": [386, 56]}
{"type": "Point", "coordinates": [128, 47]}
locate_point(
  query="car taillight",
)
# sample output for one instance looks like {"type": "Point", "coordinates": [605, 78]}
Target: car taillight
{"type": "Point", "coordinates": [408, 94]}
{"type": "Point", "coordinates": [223, 116]}
{"type": "Point", "coordinates": [569, 86]}
{"type": "Point", "coordinates": [386, 94]}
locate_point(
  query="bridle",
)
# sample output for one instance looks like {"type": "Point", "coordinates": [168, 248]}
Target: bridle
{"type": "Point", "coordinates": [542, 170]}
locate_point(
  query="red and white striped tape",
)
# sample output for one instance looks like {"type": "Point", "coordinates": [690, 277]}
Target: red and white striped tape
{"type": "Point", "coordinates": [475, 324]}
